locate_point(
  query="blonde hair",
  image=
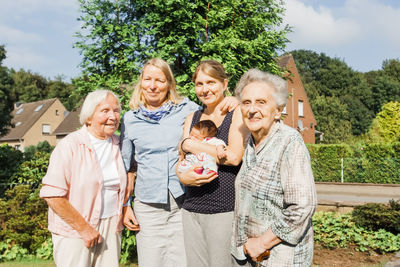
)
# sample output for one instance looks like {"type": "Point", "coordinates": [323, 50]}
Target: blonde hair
{"type": "Point", "coordinates": [138, 98]}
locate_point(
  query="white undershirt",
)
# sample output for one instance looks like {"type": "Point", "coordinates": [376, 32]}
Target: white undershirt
{"type": "Point", "coordinates": [103, 149]}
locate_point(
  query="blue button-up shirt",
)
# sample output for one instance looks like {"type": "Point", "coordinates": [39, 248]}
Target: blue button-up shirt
{"type": "Point", "coordinates": [154, 145]}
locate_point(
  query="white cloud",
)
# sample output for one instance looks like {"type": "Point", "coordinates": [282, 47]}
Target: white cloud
{"type": "Point", "coordinates": [319, 26]}
{"type": "Point", "coordinates": [379, 20]}
{"type": "Point", "coordinates": [12, 36]}
{"type": "Point", "coordinates": [22, 57]}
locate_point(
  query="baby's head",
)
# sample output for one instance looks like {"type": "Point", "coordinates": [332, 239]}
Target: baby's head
{"type": "Point", "coordinates": [203, 129]}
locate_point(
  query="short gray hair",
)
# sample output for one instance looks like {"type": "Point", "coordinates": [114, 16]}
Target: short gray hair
{"type": "Point", "coordinates": [256, 75]}
{"type": "Point", "coordinates": [91, 101]}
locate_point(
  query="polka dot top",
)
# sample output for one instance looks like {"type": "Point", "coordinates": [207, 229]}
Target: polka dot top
{"type": "Point", "coordinates": [219, 195]}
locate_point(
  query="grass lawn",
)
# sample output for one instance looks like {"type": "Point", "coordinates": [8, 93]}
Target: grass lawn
{"type": "Point", "coordinates": [42, 263]}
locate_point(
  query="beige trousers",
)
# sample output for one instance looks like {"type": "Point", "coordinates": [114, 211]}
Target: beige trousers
{"type": "Point", "coordinates": [160, 239]}
{"type": "Point", "coordinates": [71, 252]}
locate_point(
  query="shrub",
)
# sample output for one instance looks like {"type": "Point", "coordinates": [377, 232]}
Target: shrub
{"type": "Point", "coordinates": [334, 230]}
{"type": "Point", "coordinates": [31, 172]}
{"type": "Point", "coordinates": [10, 159]}
{"type": "Point", "coordinates": [363, 163]}
{"type": "Point", "coordinates": [326, 161]}
{"type": "Point", "coordinates": [23, 218]}
{"type": "Point", "coordinates": [374, 216]}
{"type": "Point", "coordinates": [29, 152]}
{"type": "Point", "coordinates": [12, 252]}
{"type": "Point", "coordinates": [128, 246]}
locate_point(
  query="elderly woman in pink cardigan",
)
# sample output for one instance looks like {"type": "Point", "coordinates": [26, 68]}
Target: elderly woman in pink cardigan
{"type": "Point", "coordinates": [85, 187]}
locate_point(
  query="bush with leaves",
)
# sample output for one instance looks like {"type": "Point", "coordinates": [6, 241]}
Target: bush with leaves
{"type": "Point", "coordinates": [32, 171]}
{"type": "Point", "coordinates": [12, 252]}
{"type": "Point", "coordinates": [333, 230]}
{"type": "Point", "coordinates": [23, 218]}
{"type": "Point", "coordinates": [29, 152]}
{"type": "Point", "coordinates": [376, 216]}
{"type": "Point", "coordinates": [128, 246]}
{"type": "Point", "coordinates": [10, 159]}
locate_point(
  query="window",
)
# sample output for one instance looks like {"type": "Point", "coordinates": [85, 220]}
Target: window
{"type": "Point", "coordinates": [300, 108]}
{"type": "Point", "coordinates": [18, 124]}
{"type": "Point", "coordinates": [17, 147]}
{"type": "Point", "coordinates": [57, 113]}
{"type": "Point", "coordinates": [284, 110]}
{"type": "Point", "coordinates": [46, 128]}
{"type": "Point", "coordinates": [38, 108]}
{"type": "Point", "coordinates": [19, 111]}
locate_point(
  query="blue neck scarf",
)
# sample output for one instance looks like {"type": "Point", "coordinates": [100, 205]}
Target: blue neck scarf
{"type": "Point", "coordinates": [158, 113]}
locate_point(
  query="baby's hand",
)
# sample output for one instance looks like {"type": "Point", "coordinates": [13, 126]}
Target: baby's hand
{"type": "Point", "coordinates": [221, 152]}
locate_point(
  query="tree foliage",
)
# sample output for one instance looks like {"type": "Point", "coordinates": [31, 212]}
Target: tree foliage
{"type": "Point", "coordinates": [30, 87]}
{"type": "Point", "coordinates": [332, 117]}
{"type": "Point", "coordinates": [118, 36]}
{"type": "Point", "coordinates": [362, 94]}
{"type": "Point", "coordinates": [386, 126]}
{"type": "Point", "coordinates": [6, 104]}
{"type": "Point", "coordinates": [10, 159]}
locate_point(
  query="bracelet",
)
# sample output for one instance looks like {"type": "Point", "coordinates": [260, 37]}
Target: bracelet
{"type": "Point", "coordinates": [183, 141]}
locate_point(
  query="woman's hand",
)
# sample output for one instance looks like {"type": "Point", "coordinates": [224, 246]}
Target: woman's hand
{"type": "Point", "coordinates": [254, 247]}
{"type": "Point", "coordinates": [191, 178]}
{"type": "Point", "coordinates": [129, 219]}
{"type": "Point", "coordinates": [90, 236]}
{"type": "Point", "coordinates": [129, 185]}
{"type": "Point", "coordinates": [229, 103]}
{"type": "Point", "coordinates": [257, 246]}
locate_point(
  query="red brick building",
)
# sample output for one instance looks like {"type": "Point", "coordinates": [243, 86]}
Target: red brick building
{"type": "Point", "coordinates": [298, 113]}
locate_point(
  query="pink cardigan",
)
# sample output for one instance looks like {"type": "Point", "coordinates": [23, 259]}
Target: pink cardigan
{"type": "Point", "coordinates": [74, 173]}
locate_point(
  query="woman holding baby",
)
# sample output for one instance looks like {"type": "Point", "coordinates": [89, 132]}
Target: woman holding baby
{"type": "Point", "coordinates": [209, 201]}
{"type": "Point", "coordinates": [150, 134]}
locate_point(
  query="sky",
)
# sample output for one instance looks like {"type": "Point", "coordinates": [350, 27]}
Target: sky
{"type": "Point", "coordinates": [39, 34]}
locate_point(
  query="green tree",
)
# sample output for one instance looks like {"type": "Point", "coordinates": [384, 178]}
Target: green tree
{"type": "Point", "coordinates": [386, 125]}
{"type": "Point", "coordinates": [118, 36]}
{"type": "Point", "coordinates": [391, 67]}
{"type": "Point", "coordinates": [384, 89]}
{"type": "Point", "coordinates": [63, 91]}
{"type": "Point", "coordinates": [331, 77]}
{"type": "Point", "coordinates": [29, 87]}
{"type": "Point", "coordinates": [6, 104]}
{"type": "Point", "coordinates": [332, 118]}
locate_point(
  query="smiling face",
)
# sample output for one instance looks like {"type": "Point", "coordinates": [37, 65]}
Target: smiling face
{"type": "Point", "coordinates": [209, 90]}
{"type": "Point", "coordinates": [105, 119]}
{"type": "Point", "coordinates": [155, 87]}
{"type": "Point", "coordinates": [259, 109]}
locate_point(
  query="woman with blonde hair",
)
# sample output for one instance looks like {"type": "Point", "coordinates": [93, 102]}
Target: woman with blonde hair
{"type": "Point", "coordinates": [150, 134]}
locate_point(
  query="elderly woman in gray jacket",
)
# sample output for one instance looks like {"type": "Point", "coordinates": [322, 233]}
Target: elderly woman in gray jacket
{"type": "Point", "coordinates": [275, 191]}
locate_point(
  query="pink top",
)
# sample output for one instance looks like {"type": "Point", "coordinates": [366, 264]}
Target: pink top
{"type": "Point", "coordinates": [74, 172]}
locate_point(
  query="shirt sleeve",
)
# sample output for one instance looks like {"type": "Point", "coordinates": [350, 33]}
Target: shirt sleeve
{"type": "Point", "coordinates": [57, 179]}
{"type": "Point", "coordinates": [299, 194]}
{"type": "Point", "coordinates": [127, 148]}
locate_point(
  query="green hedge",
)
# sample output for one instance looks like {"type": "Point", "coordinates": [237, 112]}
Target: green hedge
{"type": "Point", "coordinates": [369, 163]}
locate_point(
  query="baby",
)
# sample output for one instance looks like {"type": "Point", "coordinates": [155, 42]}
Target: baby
{"type": "Point", "coordinates": [204, 131]}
